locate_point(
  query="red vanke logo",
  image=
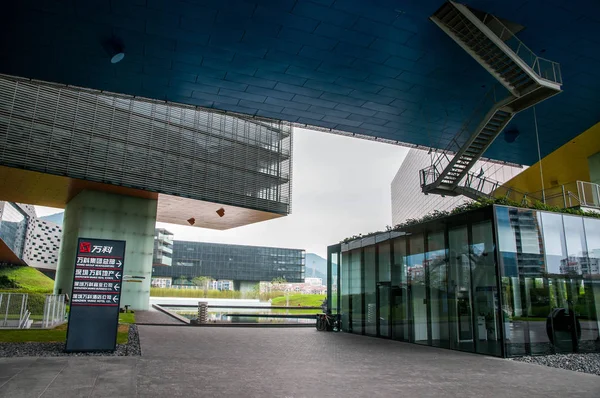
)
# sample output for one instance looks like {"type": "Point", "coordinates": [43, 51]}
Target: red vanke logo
{"type": "Point", "coordinates": [85, 247]}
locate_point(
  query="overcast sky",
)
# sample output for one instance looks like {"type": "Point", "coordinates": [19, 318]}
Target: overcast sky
{"type": "Point", "coordinates": [341, 187]}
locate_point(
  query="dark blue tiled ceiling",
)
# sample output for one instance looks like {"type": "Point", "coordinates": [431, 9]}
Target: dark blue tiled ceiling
{"type": "Point", "coordinates": [373, 67]}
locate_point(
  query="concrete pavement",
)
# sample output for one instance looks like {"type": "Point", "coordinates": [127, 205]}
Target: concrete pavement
{"type": "Point", "coordinates": [240, 362]}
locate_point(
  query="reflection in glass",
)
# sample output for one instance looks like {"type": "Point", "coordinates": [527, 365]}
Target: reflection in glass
{"type": "Point", "coordinates": [591, 325]}
{"type": "Point", "coordinates": [580, 291]}
{"type": "Point", "coordinates": [485, 294]}
{"type": "Point", "coordinates": [459, 288]}
{"type": "Point", "coordinates": [356, 292]}
{"type": "Point", "coordinates": [13, 227]}
{"type": "Point", "coordinates": [345, 291]}
{"type": "Point", "coordinates": [370, 291]}
{"type": "Point", "coordinates": [436, 267]}
{"type": "Point", "coordinates": [416, 282]}
{"type": "Point", "coordinates": [437, 283]}
{"type": "Point", "coordinates": [400, 296]}
{"type": "Point", "coordinates": [384, 290]}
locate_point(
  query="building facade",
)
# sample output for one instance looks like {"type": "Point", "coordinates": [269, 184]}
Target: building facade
{"type": "Point", "coordinates": [27, 239]}
{"type": "Point", "coordinates": [163, 247]}
{"type": "Point", "coordinates": [240, 264]}
{"type": "Point", "coordinates": [471, 282]}
{"type": "Point", "coordinates": [408, 200]}
{"type": "Point", "coordinates": [14, 219]}
{"type": "Point", "coordinates": [42, 245]}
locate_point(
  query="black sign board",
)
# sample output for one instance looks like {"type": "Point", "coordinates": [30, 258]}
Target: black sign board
{"type": "Point", "coordinates": [96, 294]}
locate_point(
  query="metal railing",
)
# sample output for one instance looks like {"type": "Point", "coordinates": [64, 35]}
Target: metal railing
{"type": "Point", "coordinates": [544, 68]}
{"type": "Point", "coordinates": [54, 310]}
{"type": "Point", "coordinates": [13, 311]}
{"type": "Point", "coordinates": [589, 194]}
{"type": "Point", "coordinates": [573, 194]}
{"type": "Point", "coordinates": [431, 173]}
{"type": "Point", "coordinates": [23, 310]}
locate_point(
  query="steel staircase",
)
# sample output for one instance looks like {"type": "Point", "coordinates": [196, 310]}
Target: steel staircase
{"type": "Point", "coordinates": [525, 79]}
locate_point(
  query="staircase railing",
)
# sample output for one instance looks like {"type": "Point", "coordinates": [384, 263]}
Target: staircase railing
{"type": "Point", "coordinates": [493, 96]}
{"type": "Point", "coordinates": [573, 194]}
{"type": "Point", "coordinates": [543, 67]}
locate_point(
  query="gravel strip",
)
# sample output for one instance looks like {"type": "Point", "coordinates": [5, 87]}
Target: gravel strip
{"type": "Point", "coordinates": [132, 348]}
{"type": "Point", "coordinates": [586, 363]}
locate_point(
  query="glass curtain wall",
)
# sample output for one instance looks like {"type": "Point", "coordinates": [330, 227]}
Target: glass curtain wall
{"type": "Point", "coordinates": [498, 281]}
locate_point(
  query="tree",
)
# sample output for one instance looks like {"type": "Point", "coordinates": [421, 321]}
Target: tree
{"type": "Point", "coordinates": [278, 282]}
{"type": "Point", "coordinates": [202, 281]}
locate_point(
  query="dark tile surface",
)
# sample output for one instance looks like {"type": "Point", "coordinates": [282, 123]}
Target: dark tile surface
{"type": "Point", "coordinates": [239, 362]}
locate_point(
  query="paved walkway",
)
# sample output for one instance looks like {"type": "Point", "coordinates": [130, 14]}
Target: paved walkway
{"type": "Point", "coordinates": [154, 316]}
{"type": "Point", "coordinates": [240, 362]}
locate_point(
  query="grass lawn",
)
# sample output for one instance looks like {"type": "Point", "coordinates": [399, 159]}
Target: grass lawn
{"type": "Point", "coordinates": [302, 300]}
{"type": "Point", "coordinates": [58, 334]}
{"type": "Point", "coordinates": [28, 278]}
{"type": "Point", "coordinates": [127, 318]}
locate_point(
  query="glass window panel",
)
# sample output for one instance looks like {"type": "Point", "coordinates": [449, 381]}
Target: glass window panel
{"type": "Point", "coordinates": [436, 267]}
{"type": "Point", "coordinates": [525, 289]}
{"type": "Point", "coordinates": [459, 286]}
{"type": "Point", "coordinates": [384, 262]}
{"type": "Point", "coordinates": [369, 268]}
{"type": "Point", "coordinates": [400, 302]}
{"type": "Point", "coordinates": [356, 314]}
{"type": "Point", "coordinates": [332, 284]}
{"type": "Point", "coordinates": [483, 278]}
{"type": "Point", "coordinates": [416, 282]}
{"type": "Point", "coordinates": [384, 289]}
{"type": "Point", "coordinates": [580, 290]}
{"type": "Point", "coordinates": [576, 246]}
{"type": "Point", "coordinates": [591, 325]}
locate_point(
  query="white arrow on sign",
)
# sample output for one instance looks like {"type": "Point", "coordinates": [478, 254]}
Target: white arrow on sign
{"type": "Point", "coordinates": [117, 287]}
{"type": "Point", "coordinates": [118, 275]}
{"type": "Point", "coordinates": [115, 298]}
{"type": "Point", "coordinates": [119, 263]}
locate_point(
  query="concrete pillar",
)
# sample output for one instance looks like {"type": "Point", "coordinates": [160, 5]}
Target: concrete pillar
{"type": "Point", "coordinates": [102, 215]}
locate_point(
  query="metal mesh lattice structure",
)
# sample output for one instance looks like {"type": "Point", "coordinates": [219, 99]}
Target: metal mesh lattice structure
{"type": "Point", "coordinates": [145, 144]}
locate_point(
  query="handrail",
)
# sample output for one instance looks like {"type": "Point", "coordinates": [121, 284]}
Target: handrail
{"type": "Point", "coordinates": [469, 125]}
{"type": "Point", "coordinates": [524, 52]}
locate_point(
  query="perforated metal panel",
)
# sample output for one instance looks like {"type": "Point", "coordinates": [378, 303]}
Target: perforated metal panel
{"type": "Point", "coordinates": [145, 144]}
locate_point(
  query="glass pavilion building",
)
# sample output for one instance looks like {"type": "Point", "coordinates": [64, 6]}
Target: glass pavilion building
{"type": "Point", "coordinates": [500, 281]}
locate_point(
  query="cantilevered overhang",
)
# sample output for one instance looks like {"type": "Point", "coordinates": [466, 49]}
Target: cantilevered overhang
{"type": "Point", "coordinates": [25, 186]}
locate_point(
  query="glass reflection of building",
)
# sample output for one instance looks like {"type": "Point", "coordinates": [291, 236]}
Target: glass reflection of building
{"type": "Point", "coordinates": [13, 227]}
{"type": "Point", "coordinates": [500, 281]}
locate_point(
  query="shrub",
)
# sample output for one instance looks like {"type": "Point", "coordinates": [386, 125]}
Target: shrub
{"type": "Point", "coordinates": [478, 204]}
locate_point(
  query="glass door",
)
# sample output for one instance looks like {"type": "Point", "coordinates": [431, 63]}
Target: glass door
{"type": "Point", "coordinates": [384, 324]}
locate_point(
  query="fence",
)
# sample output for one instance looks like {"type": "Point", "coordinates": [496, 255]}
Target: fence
{"type": "Point", "coordinates": [13, 311]}
{"type": "Point", "coordinates": [24, 310]}
{"type": "Point", "coordinates": [54, 310]}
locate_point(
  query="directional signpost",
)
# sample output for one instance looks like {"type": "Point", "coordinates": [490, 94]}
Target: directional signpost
{"type": "Point", "coordinates": [97, 283]}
